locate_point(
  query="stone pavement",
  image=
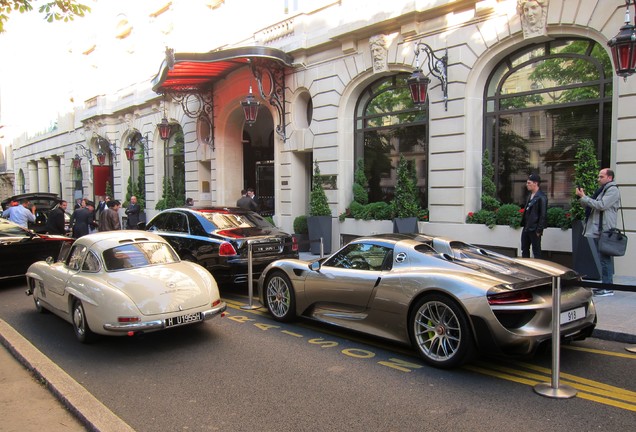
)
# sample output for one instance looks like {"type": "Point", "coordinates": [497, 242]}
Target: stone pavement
{"type": "Point", "coordinates": [36, 395]}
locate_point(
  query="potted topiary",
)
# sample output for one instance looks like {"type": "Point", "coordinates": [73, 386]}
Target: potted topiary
{"type": "Point", "coordinates": [319, 221]}
{"type": "Point", "coordinates": [301, 232]}
{"type": "Point", "coordinates": [406, 206]}
{"type": "Point", "coordinates": [585, 259]}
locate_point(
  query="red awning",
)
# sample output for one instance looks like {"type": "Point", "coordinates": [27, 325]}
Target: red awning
{"type": "Point", "coordinates": [194, 72]}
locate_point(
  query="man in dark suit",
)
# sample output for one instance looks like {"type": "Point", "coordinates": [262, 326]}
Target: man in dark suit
{"type": "Point", "coordinates": [83, 219]}
{"type": "Point", "coordinates": [132, 211]}
{"type": "Point", "coordinates": [101, 206]}
{"type": "Point", "coordinates": [247, 201]}
{"type": "Point", "coordinates": [534, 219]}
{"type": "Point", "coordinates": [55, 223]}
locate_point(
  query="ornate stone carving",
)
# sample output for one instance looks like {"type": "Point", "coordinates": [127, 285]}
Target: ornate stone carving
{"type": "Point", "coordinates": [379, 52]}
{"type": "Point", "coordinates": [533, 17]}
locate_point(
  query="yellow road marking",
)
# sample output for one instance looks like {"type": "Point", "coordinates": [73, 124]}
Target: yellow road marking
{"type": "Point", "coordinates": [596, 351]}
{"type": "Point", "coordinates": [532, 375]}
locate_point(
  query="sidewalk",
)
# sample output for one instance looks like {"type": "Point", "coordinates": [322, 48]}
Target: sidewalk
{"type": "Point", "coordinates": [35, 394]}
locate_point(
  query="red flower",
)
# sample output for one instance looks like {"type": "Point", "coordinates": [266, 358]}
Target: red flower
{"type": "Point", "coordinates": [470, 214]}
{"type": "Point", "coordinates": [522, 210]}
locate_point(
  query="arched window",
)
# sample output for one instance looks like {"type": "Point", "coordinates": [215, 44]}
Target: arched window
{"type": "Point", "coordinates": [175, 163]}
{"type": "Point", "coordinates": [539, 103]}
{"type": "Point", "coordinates": [21, 182]}
{"type": "Point", "coordinates": [388, 124]}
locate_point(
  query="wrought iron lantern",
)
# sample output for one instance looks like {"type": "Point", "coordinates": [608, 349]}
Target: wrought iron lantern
{"type": "Point", "coordinates": [623, 45]}
{"type": "Point", "coordinates": [130, 152]}
{"type": "Point", "coordinates": [164, 128]}
{"type": "Point", "coordinates": [418, 82]}
{"type": "Point", "coordinates": [77, 162]}
{"type": "Point", "coordinates": [250, 108]}
{"type": "Point", "coordinates": [101, 157]}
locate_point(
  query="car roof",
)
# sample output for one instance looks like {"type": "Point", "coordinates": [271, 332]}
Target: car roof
{"type": "Point", "coordinates": [110, 239]}
{"type": "Point", "coordinates": [212, 209]}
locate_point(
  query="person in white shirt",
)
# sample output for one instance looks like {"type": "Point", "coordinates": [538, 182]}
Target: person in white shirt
{"type": "Point", "coordinates": [21, 214]}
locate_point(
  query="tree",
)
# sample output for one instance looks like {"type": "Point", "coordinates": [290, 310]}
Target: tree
{"type": "Point", "coordinates": [586, 170]}
{"type": "Point", "coordinates": [58, 10]}
{"type": "Point", "coordinates": [318, 204]}
{"type": "Point", "coordinates": [406, 203]}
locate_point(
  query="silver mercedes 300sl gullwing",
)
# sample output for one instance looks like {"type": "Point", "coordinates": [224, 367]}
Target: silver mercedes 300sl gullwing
{"type": "Point", "coordinates": [123, 283]}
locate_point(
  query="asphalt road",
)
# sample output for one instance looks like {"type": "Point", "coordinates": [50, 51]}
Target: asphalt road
{"type": "Point", "coordinates": [246, 372]}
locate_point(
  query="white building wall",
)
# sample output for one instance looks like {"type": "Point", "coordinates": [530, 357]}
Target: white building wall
{"type": "Point", "coordinates": [329, 43]}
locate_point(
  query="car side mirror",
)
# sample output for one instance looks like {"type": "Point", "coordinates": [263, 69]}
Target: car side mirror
{"type": "Point", "coordinates": [314, 266]}
{"type": "Point", "coordinates": [50, 260]}
{"type": "Point", "coordinates": [141, 226]}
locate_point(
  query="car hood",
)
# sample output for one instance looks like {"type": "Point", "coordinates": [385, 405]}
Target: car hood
{"type": "Point", "coordinates": [515, 272]}
{"type": "Point", "coordinates": [163, 289]}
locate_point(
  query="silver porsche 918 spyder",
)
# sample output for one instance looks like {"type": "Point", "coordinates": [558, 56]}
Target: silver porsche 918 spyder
{"type": "Point", "coordinates": [446, 298]}
{"type": "Point", "coordinates": [123, 283]}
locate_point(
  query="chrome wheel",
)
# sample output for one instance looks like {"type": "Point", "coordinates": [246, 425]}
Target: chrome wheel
{"type": "Point", "coordinates": [279, 297]}
{"type": "Point", "coordinates": [38, 305]}
{"type": "Point", "coordinates": [440, 332]}
{"type": "Point", "coordinates": [80, 326]}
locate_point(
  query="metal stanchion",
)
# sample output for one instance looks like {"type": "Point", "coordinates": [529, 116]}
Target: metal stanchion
{"type": "Point", "coordinates": [554, 390]}
{"type": "Point", "coordinates": [322, 248]}
{"type": "Point", "coordinates": [250, 282]}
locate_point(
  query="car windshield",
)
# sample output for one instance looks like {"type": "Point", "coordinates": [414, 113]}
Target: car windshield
{"type": "Point", "coordinates": [224, 220]}
{"type": "Point", "coordinates": [138, 255]}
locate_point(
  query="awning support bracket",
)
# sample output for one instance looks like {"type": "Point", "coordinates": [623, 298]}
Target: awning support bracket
{"type": "Point", "coordinates": [274, 77]}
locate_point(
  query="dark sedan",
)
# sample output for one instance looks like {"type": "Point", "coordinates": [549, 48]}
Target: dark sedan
{"type": "Point", "coordinates": [44, 202]}
{"type": "Point", "coordinates": [217, 238]}
{"type": "Point", "coordinates": [19, 248]}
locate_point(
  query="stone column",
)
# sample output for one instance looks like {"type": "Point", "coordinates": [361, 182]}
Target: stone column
{"type": "Point", "coordinates": [33, 176]}
{"type": "Point", "coordinates": [43, 176]}
{"type": "Point", "coordinates": [54, 176]}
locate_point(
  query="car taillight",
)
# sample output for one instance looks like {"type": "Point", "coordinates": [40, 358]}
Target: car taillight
{"type": "Point", "coordinates": [294, 244]}
{"type": "Point", "coordinates": [226, 249]}
{"type": "Point", "coordinates": [128, 319]}
{"type": "Point", "coordinates": [510, 297]}
{"type": "Point", "coordinates": [216, 302]}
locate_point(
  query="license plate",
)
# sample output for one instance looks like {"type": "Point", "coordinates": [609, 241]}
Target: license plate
{"type": "Point", "coordinates": [183, 319]}
{"type": "Point", "coordinates": [572, 315]}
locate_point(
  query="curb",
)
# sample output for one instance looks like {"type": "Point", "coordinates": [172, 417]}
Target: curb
{"type": "Point", "coordinates": [80, 402]}
{"type": "Point", "coordinates": [614, 336]}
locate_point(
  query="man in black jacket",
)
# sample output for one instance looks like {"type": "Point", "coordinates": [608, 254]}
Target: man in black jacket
{"type": "Point", "coordinates": [83, 220]}
{"type": "Point", "coordinates": [55, 223]}
{"type": "Point", "coordinates": [534, 219]}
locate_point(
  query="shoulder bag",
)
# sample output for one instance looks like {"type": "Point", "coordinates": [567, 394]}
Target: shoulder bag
{"type": "Point", "coordinates": [612, 242]}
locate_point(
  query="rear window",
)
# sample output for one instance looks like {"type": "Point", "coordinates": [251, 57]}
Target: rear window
{"type": "Point", "coordinates": [139, 255]}
{"type": "Point", "coordinates": [223, 220]}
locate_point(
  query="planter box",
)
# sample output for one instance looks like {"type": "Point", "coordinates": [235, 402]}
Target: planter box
{"type": "Point", "coordinates": [554, 239]}
{"type": "Point", "coordinates": [405, 225]}
{"type": "Point", "coordinates": [319, 227]}
{"type": "Point", "coordinates": [356, 227]}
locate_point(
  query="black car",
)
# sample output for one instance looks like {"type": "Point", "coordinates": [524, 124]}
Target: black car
{"type": "Point", "coordinates": [217, 238]}
{"type": "Point", "coordinates": [20, 247]}
{"type": "Point", "coordinates": [44, 202]}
